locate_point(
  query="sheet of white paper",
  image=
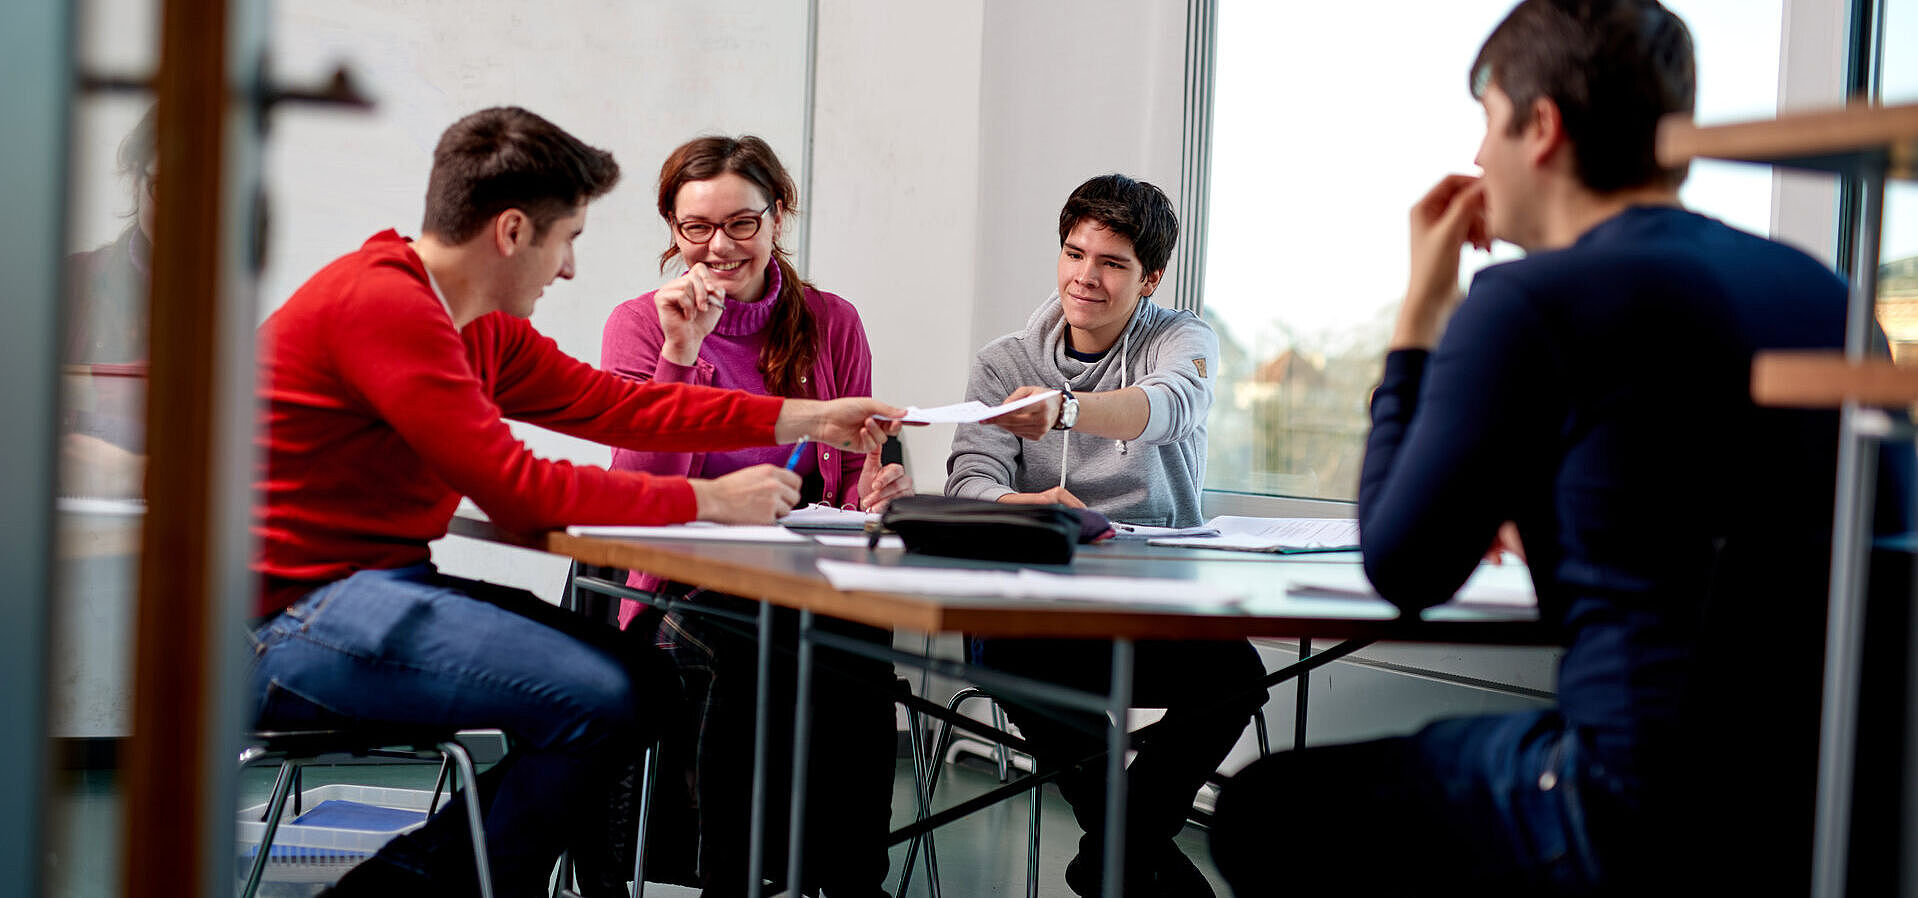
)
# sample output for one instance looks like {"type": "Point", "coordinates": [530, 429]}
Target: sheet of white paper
{"type": "Point", "coordinates": [1273, 534]}
{"type": "Point", "coordinates": [1122, 530]}
{"type": "Point", "coordinates": [1503, 586]}
{"type": "Point", "coordinates": [108, 507]}
{"type": "Point", "coordinates": [970, 411]}
{"type": "Point", "coordinates": [828, 518]}
{"type": "Point", "coordinates": [770, 533]}
{"type": "Point", "coordinates": [889, 541]}
{"type": "Point", "coordinates": [1025, 584]}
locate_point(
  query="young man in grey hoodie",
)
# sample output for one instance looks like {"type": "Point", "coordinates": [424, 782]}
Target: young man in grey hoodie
{"type": "Point", "coordinates": [1128, 432]}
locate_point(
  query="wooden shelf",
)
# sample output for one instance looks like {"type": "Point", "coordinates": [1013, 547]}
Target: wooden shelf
{"type": "Point", "coordinates": [1825, 379]}
{"type": "Point", "coordinates": [1849, 140]}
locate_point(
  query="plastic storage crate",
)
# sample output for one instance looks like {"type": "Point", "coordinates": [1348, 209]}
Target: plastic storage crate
{"type": "Point", "coordinates": [340, 826]}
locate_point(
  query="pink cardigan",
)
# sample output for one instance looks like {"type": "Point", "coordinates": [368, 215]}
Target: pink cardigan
{"type": "Point", "coordinates": [729, 358]}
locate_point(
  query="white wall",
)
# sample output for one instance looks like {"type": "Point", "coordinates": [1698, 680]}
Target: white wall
{"type": "Point", "coordinates": [1072, 89]}
{"type": "Point", "coordinates": [637, 77]}
{"type": "Point", "coordinates": [946, 139]}
{"type": "Point", "coordinates": [896, 195]}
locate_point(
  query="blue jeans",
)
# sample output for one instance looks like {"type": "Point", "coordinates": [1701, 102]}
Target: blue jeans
{"type": "Point", "coordinates": [1501, 805]}
{"type": "Point", "coordinates": [413, 646]}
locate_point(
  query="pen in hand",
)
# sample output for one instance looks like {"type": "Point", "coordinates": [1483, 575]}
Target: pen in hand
{"type": "Point", "coordinates": [792, 461]}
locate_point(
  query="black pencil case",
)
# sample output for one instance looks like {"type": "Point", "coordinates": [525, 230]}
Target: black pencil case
{"type": "Point", "coordinates": [993, 531]}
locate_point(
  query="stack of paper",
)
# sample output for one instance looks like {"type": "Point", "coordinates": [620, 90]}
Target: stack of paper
{"type": "Point", "coordinates": [1244, 534]}
{"type": "Point", "coordinates": [1024, 584]}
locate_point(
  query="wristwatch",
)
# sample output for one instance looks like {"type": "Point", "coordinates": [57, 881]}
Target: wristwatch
{"type": "Point", "coordinates": [1068, 410]}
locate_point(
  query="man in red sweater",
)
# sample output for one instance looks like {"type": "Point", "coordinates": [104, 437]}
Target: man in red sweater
{"type": "Point", "coordinates": [386, 380]}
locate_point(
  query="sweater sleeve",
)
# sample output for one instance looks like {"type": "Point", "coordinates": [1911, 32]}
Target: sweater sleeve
{"type": "Point", "coordinates": [539, 384]}
{"type": "Point", "coordinates": [984, 458]}
{"type": "Point", "coordinates": [630, 347]}
{"type": "Point", "coordinates": [1450, 433]}
{"type": "Point", "coordinates": [408, 364]}
{"type": "Point", "coordinates": [1178, 383]}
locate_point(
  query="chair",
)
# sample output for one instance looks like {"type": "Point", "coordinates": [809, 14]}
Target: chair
{"type": "Point", "coordinates": [928, 767]}
{"type": "Point", "coordinates": [926, 772]}
{"type": "Point", "coordinates": [296, 750]}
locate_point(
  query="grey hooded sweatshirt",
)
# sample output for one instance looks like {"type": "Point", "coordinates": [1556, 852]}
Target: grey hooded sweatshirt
{"type": "Point", "coordinates": [1154, 479]}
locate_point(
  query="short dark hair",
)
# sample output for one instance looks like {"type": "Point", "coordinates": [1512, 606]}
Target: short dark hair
{"type": "Point", "coordinates": [507, 158]}
{"type": "Point", "coordinates": [1613, 67]}
{"type": "Point", "coordinates": [1133, 209]}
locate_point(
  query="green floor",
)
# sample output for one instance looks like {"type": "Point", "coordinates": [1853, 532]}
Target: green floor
{"type": "Point", "coordinates": [984, 854]}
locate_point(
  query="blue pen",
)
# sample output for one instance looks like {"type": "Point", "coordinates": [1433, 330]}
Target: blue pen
{"type": "Point", "coordinates": [792, 461]}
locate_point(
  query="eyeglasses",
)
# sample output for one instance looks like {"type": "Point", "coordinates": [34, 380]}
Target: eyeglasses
{"type": "Point", "coordinates": [741, 228]}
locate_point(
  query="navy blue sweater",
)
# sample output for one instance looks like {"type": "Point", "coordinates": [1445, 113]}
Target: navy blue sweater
{"type": "Point", "coordinates": [1599, 396]}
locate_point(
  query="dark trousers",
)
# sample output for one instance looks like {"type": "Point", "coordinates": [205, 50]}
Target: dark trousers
{"type": "Point", "coordinates": [853, 749]}
{"type": "Point", "coordinates": [1191, 680]}
{"type": "Point", "coordinates": [1502, 805]}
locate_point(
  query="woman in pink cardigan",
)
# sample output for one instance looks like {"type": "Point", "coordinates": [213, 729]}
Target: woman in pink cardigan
{"type": "Point", "coordinates": [740, 317]}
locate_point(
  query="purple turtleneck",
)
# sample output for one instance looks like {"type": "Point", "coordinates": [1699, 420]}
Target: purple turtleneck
{"type": "Point", "coordinates": [729, 357]}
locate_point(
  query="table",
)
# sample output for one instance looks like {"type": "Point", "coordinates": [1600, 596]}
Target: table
{"type": "Point", "coordinates": [784, 574]}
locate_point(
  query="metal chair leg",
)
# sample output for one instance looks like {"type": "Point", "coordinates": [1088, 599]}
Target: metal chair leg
{"type": "Point", "coordinates": [934, 764]}
{"type": "Point", "coordinates": [439, 785]}
{"type": "Point", "coordinates": [475, 825]}
{"type": "Point", "coordinates": [922, 792]}
{"type": "Point", "coordinates": [563, 883]}
{"type": "Point", "coordinates": [1000, 753]}
{"type": "Point", "coordinates": [649, 775]}
{"type": "Point", "coordinates": [1258, 727]}
{"type": "Point", "coordinates": [275, 806]}
{"type": "Point", "coordinates": [298, 787]}
{"type": "Point", "coordinates": [1032, 847]}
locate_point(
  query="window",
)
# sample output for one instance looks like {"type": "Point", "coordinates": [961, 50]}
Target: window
{"type": "Point", "coordinates": [1323, 136]}
{"type": "Point", "coordinates": [1897, 76]}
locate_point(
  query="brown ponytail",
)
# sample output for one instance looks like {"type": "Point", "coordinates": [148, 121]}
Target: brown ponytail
{"type": "Point", "coordinates": [792, 340]}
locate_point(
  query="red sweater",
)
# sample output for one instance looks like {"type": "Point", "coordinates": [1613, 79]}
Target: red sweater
{"type": "Point", "coordinates": [380, 415]}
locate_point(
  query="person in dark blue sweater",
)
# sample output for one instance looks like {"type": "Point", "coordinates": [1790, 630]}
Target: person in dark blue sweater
{"type": "Point", "coordinates": [1596, 395]}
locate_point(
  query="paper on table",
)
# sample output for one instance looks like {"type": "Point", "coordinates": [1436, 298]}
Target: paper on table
{"type": "Point", "coordinates": [826, 517]}
{"type": "Point", "coordinates": [1273, 535]}
{"type": "Point", "coordinates": [968, 412]}
{"type": "Point", "coordinates": [769, 533]}
{"type": "Point", "coordinates": [1507, 586]}
{"type": "Point", "coordinates": [889, 541]}
{"type": "Point", "coordinates": [1147, 531]}
{"type": "Point", "coordinates": [1025, 584]}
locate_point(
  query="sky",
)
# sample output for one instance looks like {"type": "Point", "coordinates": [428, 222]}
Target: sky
{"type": "Point", "coordinates": [1325, 134]}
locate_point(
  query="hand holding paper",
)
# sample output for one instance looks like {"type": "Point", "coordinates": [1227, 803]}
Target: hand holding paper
{"type": "Point", "coordinates": [968, 412]}
{"type": "Point", "coordinates": [1028, 413]}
